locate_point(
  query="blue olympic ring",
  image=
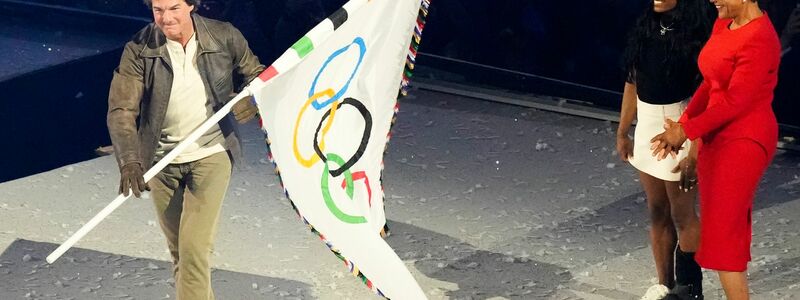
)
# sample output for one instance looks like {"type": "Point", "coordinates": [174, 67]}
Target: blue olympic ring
{"type": "Point", "coordinates": [362, 50]}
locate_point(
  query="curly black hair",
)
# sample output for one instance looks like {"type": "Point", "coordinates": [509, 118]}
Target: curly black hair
{"type": "Point", "coordinates": [692, 21]}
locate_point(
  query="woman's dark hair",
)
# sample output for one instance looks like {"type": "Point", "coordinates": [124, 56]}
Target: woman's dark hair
{"type": "Point", "coordinates": [691, 22]}
{"type": "Point", "coordinates": [149, 3]}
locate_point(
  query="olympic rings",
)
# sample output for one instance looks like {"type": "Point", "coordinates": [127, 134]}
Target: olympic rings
{"type": "Point", "coordinates": [362, 50]}
{"type": "Point", "coordinates": [364, 137]}
{"type": "Point", "coordinates": [332, 98]}
{"type": "Point", "coordinates": [314, 158]}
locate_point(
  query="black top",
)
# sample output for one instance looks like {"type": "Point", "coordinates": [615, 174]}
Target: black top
{"type": "Point", "coordinates": [657, 83]}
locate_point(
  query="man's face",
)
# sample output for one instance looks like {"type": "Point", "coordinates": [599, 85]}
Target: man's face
{"type": "Point", "coordinates": [173, 17]}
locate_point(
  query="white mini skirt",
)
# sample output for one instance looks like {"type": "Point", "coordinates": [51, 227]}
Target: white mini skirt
{"type": "Point", "coordinates": [649, 123]}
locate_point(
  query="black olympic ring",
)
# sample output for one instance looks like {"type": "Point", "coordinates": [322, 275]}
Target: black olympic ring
{"type": "Point", "coordinates": [364, 138]}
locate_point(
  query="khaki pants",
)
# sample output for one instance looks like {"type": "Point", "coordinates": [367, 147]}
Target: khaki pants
{"type": "Point", "coordinates": [188, 198]}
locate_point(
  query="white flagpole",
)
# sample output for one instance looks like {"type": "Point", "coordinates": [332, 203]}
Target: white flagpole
{"type": "Point", "coordinates": [196, 134]}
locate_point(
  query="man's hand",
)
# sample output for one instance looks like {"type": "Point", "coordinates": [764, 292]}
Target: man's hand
{"type": "Point", "coordinates": [131, 178]}
{"type": "Point", "coordinates": [244, 110]}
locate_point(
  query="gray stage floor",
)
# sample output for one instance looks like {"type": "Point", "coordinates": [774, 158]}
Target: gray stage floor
{"type": "Point", "coordinates": [485, 201]}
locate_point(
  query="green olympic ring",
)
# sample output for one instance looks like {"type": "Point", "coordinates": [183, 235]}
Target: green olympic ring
{"type": "Point", "coordinates": [326, 193]}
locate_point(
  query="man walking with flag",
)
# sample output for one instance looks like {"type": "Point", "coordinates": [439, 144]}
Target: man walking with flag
{"type": "Point", "coordinates": [173, 75]}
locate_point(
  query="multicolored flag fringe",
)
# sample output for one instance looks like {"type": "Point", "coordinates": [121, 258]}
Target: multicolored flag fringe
{"type": "Point", "coordinates": [328, 105]}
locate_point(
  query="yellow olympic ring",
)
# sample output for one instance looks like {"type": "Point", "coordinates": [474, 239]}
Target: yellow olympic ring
{"type": "Point", "coordinates": [314, 157]}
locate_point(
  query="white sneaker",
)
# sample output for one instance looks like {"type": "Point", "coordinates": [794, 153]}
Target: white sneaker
{"type": "Point", "coordinates": [656, 292]}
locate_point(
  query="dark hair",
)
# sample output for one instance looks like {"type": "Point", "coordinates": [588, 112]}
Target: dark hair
{"type": "Point", "coordinates": [149, 3]}
{"type": "Point", "coordinates": [692, 21]}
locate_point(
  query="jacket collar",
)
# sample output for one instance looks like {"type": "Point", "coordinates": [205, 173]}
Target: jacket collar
{"type": "Point", "coordinates": [157, 42]}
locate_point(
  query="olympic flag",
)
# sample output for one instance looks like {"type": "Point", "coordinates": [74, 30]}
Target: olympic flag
{"type": "Point", "coordinates": [327, 106]}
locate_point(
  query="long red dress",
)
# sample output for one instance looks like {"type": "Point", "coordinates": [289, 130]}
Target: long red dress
{"type": "Point", "coordinates": [731, 112]}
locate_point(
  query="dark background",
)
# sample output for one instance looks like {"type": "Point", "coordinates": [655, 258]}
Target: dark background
{"type": "Point", "coordinates": [557, 48]}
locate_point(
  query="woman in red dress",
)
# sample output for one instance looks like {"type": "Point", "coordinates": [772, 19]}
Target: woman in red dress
{"type": "Point", "coordinates": [731, 112]}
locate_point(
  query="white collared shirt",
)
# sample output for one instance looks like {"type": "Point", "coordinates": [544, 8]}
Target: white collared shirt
{"type": "Point", "coordinates": [188, 107]}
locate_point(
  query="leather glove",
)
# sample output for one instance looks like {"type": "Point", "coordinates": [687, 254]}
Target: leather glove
{"type": "Point", "coordinates": [132, 178]}
{"type": "Point", "coordinates": [244, 110]}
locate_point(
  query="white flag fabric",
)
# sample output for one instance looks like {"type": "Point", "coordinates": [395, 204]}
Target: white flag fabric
{"type": "Point", "coordinates": [327, 106]}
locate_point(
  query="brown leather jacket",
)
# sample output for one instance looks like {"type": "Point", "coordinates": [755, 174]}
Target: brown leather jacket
{"type": "Point", "coordinates": [140, 89]}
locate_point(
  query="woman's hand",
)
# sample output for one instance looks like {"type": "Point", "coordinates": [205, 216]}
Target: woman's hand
{"type": "Point", "coordinates": [668, 142]}
{"type": "Point", "coordinates": [624, 147]}
{"type": "Point", "coordinates": [687, 168]}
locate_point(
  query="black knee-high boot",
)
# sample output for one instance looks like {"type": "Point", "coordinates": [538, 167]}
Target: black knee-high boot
{"type": "Point", "coordinates": [688, 277]}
